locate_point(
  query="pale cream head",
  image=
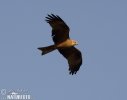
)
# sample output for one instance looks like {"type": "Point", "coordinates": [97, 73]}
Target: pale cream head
{"type": "Point", "coordinates": [74, 42]}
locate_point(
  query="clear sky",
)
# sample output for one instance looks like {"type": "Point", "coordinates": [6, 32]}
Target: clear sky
{"type": "Point", "coordinates": [100, 27]}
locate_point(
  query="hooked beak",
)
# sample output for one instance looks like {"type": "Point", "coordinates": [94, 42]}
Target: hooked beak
{"type": "Point", "coordinates": [76, 43]}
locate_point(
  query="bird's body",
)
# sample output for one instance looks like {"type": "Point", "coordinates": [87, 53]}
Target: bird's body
{"type": "Point", "coordinates": [62, 42]}
{"type": "Point", "coordinates": [67, 43]}
{"type": "Point", "coordinates": [63, 45]}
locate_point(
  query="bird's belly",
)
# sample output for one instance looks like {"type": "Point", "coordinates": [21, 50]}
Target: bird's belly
{"type": "Point", "coordinates": [64, 44]}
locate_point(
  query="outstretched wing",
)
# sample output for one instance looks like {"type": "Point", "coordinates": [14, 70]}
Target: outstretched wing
{"type": "Point", "coordinates": [74, 58]}
{"type": "Point", "coordinates": [60, 31]}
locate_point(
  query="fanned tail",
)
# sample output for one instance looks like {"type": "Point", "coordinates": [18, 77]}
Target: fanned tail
{"type": "Point", "coordinates": [47, 49]}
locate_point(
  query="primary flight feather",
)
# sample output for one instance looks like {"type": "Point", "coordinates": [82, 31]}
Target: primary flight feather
{"type": "Point", "coordinates": [63, 43]}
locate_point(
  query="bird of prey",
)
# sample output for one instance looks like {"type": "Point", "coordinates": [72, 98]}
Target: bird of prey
{"type": "Point", "coordinates": [63, 43]}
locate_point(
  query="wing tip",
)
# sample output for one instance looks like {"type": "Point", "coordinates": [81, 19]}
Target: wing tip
{"type": "Point", "coordinates": [72, 72]}
{"type": "Point", "coordinates": [51, 17]}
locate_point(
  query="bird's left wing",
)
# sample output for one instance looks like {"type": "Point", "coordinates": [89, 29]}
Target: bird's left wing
{"type": "Point", "coordinates": [74, 57]}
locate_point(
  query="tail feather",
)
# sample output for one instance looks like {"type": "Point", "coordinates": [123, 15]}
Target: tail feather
{"type": "Point", "coordinates": [47, 49]}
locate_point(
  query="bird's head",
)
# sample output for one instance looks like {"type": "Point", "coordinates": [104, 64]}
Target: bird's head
{"type": "Point", "coordinates": [74, 42]}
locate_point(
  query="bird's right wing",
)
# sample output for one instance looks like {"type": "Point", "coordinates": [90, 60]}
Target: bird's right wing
{"type": "Point", "coordinates": [60, 30]}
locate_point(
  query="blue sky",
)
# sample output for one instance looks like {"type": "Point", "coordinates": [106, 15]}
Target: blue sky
{"type": "Point", "coordinates": [99, 26]}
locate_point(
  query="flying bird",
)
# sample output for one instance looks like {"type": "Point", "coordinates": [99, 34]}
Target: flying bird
{"type": "Point", "coordinates": [63, 43]}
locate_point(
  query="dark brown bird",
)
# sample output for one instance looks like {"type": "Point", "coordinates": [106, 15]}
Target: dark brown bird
{"type": "Point", "coordinates": [63, 43]}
